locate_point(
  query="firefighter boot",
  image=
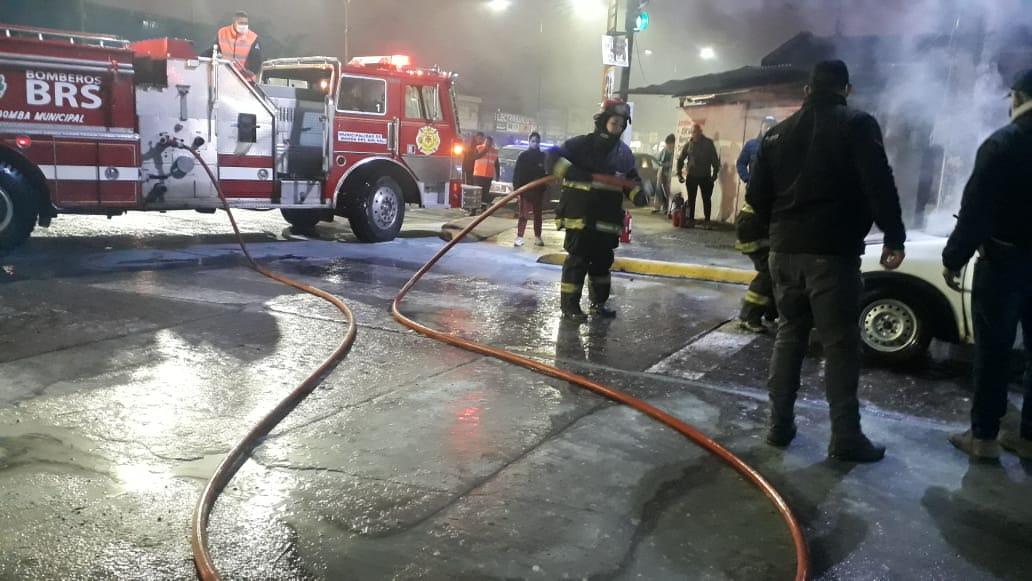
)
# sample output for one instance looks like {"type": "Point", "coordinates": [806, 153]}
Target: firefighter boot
{"type": "Point", "coordinates": [572, 312]}
{"type": "Point", "coordinates": [600, 310]}
{"type": "Point", "coordinates": [751, 318]}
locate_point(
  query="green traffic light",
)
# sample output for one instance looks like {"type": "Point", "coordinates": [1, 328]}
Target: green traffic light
{"type": "Point", "coordinates": [642, 22]}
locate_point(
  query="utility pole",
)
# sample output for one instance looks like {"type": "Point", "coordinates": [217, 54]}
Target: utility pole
{"type": "Point", "coordinates": [630, 15]}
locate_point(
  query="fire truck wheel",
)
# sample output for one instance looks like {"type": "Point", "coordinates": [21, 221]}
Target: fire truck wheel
{"type": "Point", "coordinates": [17, 208]}
{"type": "Point", "coordinates": [302, 220]}
{"type": "Point", "coordinates": [380, 212]}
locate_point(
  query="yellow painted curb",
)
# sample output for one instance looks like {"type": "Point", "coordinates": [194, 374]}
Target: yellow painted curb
{"type": "Point", "coordinates": [669, 269]}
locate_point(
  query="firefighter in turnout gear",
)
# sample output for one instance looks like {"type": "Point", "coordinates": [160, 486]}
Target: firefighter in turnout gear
{"type": "Point", "coordinates": [591, 207]}
{"type": "Point", "coordinates": [753, 241]}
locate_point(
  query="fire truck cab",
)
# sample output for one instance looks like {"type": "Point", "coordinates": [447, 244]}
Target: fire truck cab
{"type": "Point", "coordinates": [97, 125]}
{"type": "Point", "coordinates": [379, 131]}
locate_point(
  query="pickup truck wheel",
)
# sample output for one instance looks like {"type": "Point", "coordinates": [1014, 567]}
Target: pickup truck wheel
{"type": "Point", "coordinates": [894, 329]}
{"type": "Point", "coordinates": [302, 220]}
{"type": "Point", "coordinates": [380, 210]}
{"type": "Point", "coordinates": [18, 208]}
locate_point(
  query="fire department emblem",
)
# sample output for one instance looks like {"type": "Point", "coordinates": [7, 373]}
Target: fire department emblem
{"type": "Point", "coordinates": [428, 140]}
{"type": "Point", "coordinates": [3, 86]}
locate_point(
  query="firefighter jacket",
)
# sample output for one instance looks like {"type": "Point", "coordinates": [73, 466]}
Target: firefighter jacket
{"type": "Point", "coordinates": [702, 159]}
{"type": "Point", "coordinates": [996, 207]}
{"type": "Point", "coordinates": [487, 165]}
{"type": "Point", "coordinates": [242, 49]}
{"type": "Point", "coordinates": [751, 232]}
{"type": "Point", "coordinates": [822, 179]}
{"type": "Point", "coordinates": [590, 211]}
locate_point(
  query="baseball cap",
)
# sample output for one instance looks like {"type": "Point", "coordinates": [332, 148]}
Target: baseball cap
{"type": "Point", "coordinates": [1023, 82]}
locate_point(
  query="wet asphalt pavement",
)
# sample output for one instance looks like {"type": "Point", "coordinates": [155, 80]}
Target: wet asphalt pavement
{"type": "Point", "coordinates": [134, 353]}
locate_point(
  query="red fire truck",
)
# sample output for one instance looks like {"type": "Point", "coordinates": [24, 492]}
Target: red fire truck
{"type": "Point", "coordinates": [89, 124]}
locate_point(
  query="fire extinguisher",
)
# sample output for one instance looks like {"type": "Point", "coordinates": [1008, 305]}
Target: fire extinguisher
{"type": "Point", "coordinates": [625, 232]}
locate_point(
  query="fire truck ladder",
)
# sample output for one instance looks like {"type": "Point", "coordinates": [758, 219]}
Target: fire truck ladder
{"type": "Point", "coordinates": [44, 34]}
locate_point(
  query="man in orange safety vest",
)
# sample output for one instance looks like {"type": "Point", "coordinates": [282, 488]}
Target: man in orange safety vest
{"type": "Point", "coordinates": [238, 43]}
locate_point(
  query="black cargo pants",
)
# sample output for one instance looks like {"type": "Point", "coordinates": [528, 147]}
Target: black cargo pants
{"type": "Point", "coordinates": [822, 291]}
{"type": "Point", "coordinates": [594, 264]}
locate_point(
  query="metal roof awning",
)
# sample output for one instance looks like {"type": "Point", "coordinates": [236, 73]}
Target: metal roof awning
{"type": "Point", "coordinates": [729, 81]}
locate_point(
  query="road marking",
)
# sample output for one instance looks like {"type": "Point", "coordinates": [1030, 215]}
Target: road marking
{"type": "Point", "coordinates": [695, 360]}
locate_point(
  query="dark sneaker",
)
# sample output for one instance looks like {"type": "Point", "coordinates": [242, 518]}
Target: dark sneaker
{"type": "Point", "coordinates": [781, 436]}
{"type": "Point", "coordinates": [977, 448]}
{"type": "Point", "coordinates": [857, 449]}
{"type": "Point", "coordinates": [577, 316]}
{"type": "Point", "coordinates": [1013, 442]}
{"type": "Point", "coordinates": [602, 311]}
{"type": "Point", "coordinates": [751, 326]}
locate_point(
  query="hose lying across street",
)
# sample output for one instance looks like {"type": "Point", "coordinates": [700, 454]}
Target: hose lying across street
{"type": "Point", "coordinates": [705, 442]}
{"type": "Point", "coordinates": [238, 455]}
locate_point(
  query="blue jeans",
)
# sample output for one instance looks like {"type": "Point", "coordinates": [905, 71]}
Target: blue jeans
{"type": "Point", "coordinates": [1001, 299]}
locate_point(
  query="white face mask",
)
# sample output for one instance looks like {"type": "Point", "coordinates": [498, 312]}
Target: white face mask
{"type": "Point", "coordinates": [242, 28]}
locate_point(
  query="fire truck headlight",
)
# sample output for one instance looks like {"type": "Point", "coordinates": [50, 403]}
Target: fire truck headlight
{"type": "Point", "coordinates": [458, 149]}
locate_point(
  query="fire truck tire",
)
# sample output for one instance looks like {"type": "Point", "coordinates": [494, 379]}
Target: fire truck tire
{"type": "Point", "coordinates": [18, 208]}
{"type": "Point", "coordinates": [380, 211]}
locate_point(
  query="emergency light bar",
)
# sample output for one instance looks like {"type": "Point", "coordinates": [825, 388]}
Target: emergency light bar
{"type": "Point", "coordinates": [398, 61]}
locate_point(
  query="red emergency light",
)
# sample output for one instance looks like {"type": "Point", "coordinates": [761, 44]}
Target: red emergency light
{"type": "Point", "coordinates": [23, 141]}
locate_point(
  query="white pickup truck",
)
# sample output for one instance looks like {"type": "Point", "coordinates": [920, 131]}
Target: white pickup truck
{"type": "Point", "coordinates": [903, 310]}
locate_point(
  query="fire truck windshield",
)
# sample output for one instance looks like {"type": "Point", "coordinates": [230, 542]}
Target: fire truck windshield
{"type": "Point", "coordinates": [310, 78]}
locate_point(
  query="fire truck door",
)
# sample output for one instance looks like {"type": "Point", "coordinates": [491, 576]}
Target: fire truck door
{"type": "Point", "coordinates": [362, 126]}
{"type": "Point", "coordinates": [423, 134]}
{"type": "Point", "coordinates": [245, 139]}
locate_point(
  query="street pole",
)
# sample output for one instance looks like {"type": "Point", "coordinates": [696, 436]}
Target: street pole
{"type": "Point", "coordinates": [630, 14]}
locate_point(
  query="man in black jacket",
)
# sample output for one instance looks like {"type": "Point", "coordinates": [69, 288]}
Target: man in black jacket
{"type": "Point", "coordinates": [530, 166]}
{"type": "Point", "coordinates": [703, 171]}
{"type": "Point", "coordinates": [993, 218]}
{"type": "Point", "coordinates": [822, 178]}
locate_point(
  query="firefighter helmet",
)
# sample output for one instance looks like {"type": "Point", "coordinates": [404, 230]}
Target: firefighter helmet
{"type": "Point", "coordinates": [615, 106]}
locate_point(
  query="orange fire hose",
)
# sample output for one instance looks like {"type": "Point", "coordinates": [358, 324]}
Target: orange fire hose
{"type": "Point", "coordinates": [708, 444]}
{"type": "Point", "coordinates": [238, 455]}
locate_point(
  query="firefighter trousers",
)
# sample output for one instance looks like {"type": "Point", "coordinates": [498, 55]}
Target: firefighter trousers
{"type": "Point", "coordinates": [595, 265]}
{"type": "Point", "coordinates": [759, 299]}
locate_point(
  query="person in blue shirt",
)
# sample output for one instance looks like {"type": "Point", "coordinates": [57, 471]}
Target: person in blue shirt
{"type": "Point", "coordinates": [751, 150]}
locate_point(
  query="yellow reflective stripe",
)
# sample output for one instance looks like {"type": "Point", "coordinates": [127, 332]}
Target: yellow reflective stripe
{"type": "Point", "coordinates": [568, 288]}
{"type": "Point", "coordinates": [562, 165]}
{"type": "Point", "coordinates": [633, 193]}
{"type": "Point", "coordinates": [756, 298]}
{"type": "Point", "coordinates": [608, 227]}
{"type": "Point", "coordinates": [747, 209]}
{"type": "Point", "coordinates": [570, 223]}
{"type": "Point", "coordinates": [588, 186]}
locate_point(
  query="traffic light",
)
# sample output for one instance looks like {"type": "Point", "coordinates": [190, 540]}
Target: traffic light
{"type": "Point", "coordinates": [641, 21]}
